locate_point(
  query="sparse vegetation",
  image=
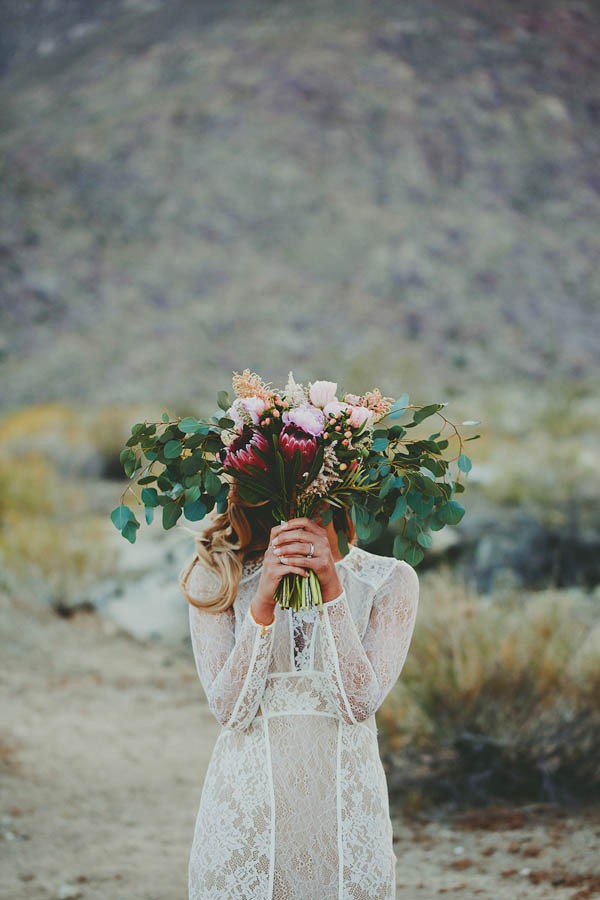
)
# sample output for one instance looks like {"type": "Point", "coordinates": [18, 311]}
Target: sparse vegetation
{"type": "Point", "coordinates": [501, 695]}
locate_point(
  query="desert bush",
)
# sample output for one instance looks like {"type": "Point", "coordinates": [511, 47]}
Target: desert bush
{"type": "Point", "coordinates": [51, 547]}
{"type": "Point", "coordinates": [501, 694]}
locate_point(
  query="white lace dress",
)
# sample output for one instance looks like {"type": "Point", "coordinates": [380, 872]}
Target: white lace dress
{"type": "Point", "coordinates": [294, 804]}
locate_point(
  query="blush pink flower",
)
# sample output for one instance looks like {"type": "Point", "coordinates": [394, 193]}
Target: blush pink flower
{"type": "Point", "coordinates": [335, 406]}
{"type": "Point", "coordinates": [322, 392]}
{"type": "Point", "coordinates": [360, 415]}
{"type": "Point", "coordinates": [308, 418]}
{"type": "Point", "coordinates": [254, 406]}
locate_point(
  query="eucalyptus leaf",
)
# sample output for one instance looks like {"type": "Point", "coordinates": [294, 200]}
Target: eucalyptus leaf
{"type": "Point", "coordinates": [342, 541]}
{"type": "Point", "coordinates": [426, 411]}
{"type": "Point", "coordinates": [120, 516]}
{"type": "Point", "coordinates": [413, 555]}
{"type": "Point", "coordinates": [212, 483]}
{"type": "Point", "coordinates": [400, 546]}
{"type": "Point", "coordinates": [399, 508]}
{"type": "Point", "coordinates": [195, 511]}
{"type": "Point", "coordinates": [464, 463]}
{"type": "Point", "coordinates": [327, 515]}
{"type": "Point", "coordinates": [130, 531]}
{"type": "Point", "coordinates": [223, 400]}
{"type": "Point", "coordinates": [170, 514]}
{"type": "Point", "coordinates": [380, 444]}
{"type": "Point", "coordinates": [150, 497]}
{"type": "Point", "coordinates": [172, 449]}
{"type": "Point", "coordinates": [451, 512]}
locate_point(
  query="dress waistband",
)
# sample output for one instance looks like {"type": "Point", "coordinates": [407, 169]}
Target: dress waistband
{"type": "Point", "coordinates": [297, 692]}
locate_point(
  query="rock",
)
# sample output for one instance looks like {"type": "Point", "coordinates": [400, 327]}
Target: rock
{"type": "Point", "coordinates": [68, 892]}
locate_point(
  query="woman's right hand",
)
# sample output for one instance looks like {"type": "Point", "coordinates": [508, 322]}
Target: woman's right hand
{"type": "Point", "coordinates": [273, 569]}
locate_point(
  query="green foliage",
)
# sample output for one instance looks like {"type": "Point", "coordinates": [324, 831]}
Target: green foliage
{"type": "Point", "coordinates": [388, 477]}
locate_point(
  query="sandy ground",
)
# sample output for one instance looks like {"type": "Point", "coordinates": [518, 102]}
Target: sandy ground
{"type": "Point", "coordinates": [103, 750]}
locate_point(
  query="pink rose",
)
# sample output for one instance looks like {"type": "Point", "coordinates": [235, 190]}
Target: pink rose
{"type": "Point", "coordinates": [307, 417]}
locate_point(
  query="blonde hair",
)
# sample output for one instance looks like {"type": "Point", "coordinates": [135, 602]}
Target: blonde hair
{"type": "Point", "coordinates": [231, 539]}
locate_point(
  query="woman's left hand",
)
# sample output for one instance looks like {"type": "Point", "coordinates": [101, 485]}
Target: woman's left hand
{"type": "Point", "coordinates": [292, 545]}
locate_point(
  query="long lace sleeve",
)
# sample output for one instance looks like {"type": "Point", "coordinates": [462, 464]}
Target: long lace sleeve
{"type": "Point", "coordinates": [363, 672]}
{"type": "Point", "coordinates": [232, 667]}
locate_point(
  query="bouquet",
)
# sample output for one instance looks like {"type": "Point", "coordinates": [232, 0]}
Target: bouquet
{"type": "Point", "coordinates": [295, 448]}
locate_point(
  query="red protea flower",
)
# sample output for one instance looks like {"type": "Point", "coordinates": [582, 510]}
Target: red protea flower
{"type": "Point", "coordinates": [240, 452]}
{"type": "Point", "coordinates": [294, 438]}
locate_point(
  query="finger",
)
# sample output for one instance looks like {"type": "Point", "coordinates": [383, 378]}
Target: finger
{"type": "Point", "coordinates": [298, 560]}
{"type": "Point", "coordinates": [297, 534]}
{"type": "Point", "coordinates": [286, 547]}
{"type": "Point", "coordinates": [296, 570]}
{"type": "Point", "coordinates": [305, 522]}
{"type": "Point", "coordinates": [277, 528]}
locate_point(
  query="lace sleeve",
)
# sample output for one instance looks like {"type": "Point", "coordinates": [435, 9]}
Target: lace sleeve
{"type": "Point", "coordinates": [363, 672]}
{"type": "Point", "coordinates": [232, 667]}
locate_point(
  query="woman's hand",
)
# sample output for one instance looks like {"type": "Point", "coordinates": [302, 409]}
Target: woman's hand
{"type": "Point", "coordinates": [273, 570]}
{"type": "Point", "coordinates": [291, 546]}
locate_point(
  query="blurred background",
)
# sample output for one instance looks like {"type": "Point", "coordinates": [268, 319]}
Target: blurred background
{"type": "Point", "coordinates": [393, 195]}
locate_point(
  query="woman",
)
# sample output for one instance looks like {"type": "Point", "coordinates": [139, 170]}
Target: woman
{"type": "Point", "coordinates": [294, 804]}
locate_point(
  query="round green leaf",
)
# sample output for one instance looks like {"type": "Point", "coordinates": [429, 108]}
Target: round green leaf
{"type": "Point", "coordinates": [464, 463]}
{"type": "Point", "coordinates": [400, 546]}
{"type": "Point", "coordinates": [212, 483]}
{"type": "Point", "coordinates": [170, 514]}
{"type": "Point", "coordinates": [195, 511]}
{"type": "Point", "coordinates": [380, 444]}
{"type": "Point", "coordinates": [414, 555]}
{"type": "Point", "coordinates": [399, 508]}
{"type": "Point", "coordinates": [451, 512]}
{"type": "Point", "coordinates": [150, 497]}
{"type": "Point", "coordinates": [172, 449]}
{"type": "Point", "coordinates": [120, 516]}
{"type": "Point", "coordinates": [130, 531]}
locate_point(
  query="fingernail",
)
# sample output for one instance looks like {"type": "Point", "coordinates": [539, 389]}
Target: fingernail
{"type": "Point", "coordinates": [283, 522]}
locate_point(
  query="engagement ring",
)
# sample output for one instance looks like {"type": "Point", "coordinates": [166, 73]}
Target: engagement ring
{"type": "Point", "coordinates": [312, 550]}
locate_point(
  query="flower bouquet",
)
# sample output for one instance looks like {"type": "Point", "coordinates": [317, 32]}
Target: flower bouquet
{"type": "Point", "coordinates": [293, 449]}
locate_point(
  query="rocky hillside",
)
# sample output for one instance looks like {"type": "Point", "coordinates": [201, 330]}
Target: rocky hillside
{"type": "Point", "coordinates": [401, 194]}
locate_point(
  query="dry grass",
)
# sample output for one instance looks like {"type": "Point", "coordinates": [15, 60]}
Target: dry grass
{"type": "Point", "coordinates": [502, 693]}
{"type": "Point", "coordinates": [51, 544]}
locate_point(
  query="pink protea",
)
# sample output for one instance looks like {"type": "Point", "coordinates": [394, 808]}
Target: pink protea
{"type": "Point", "coordinates": [293, 438]}
{"type": "Point", "coordinates": [240, 452]}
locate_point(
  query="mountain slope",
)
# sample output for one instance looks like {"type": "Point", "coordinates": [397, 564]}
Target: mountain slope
{"type": "Point", "coordinates": [395, 195]}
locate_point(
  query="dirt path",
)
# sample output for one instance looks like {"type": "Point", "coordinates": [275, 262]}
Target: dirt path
{"type": "Point", "coordinates": [103, 750]}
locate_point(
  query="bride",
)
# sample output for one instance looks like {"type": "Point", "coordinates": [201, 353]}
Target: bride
{"type": "Point", "coordinates": [294, 804]}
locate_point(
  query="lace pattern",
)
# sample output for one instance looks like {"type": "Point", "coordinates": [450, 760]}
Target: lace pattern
{"type": "Point", "coordinates": [294, 802]}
